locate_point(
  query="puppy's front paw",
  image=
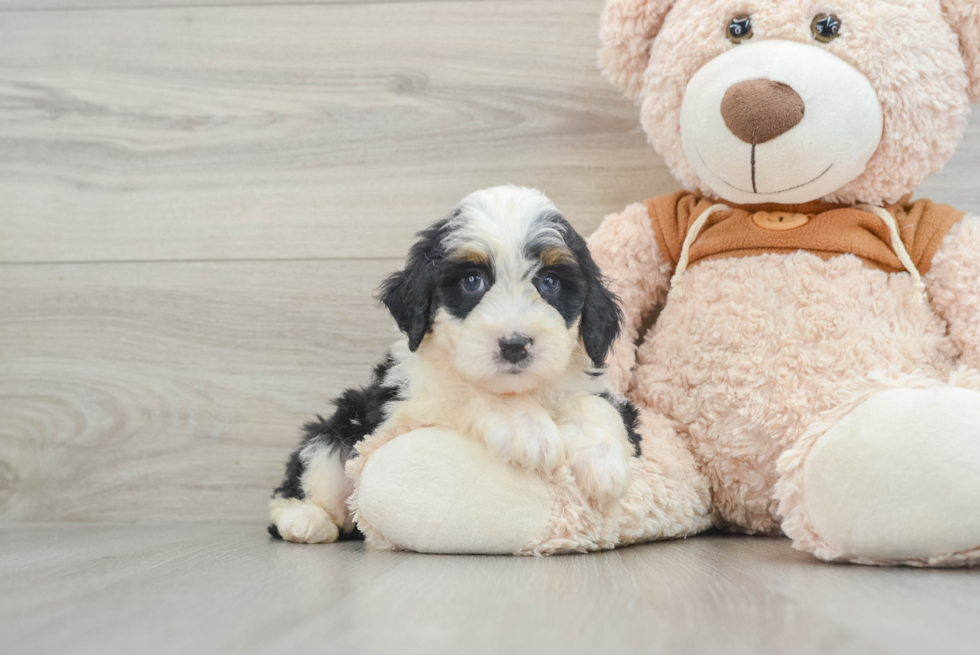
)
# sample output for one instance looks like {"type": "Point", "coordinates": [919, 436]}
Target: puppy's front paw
{"type": "Point", "coordinates": [306, 524]}
{"type": "Point", "coordinates": [530, 439]}
{"type": "Point", "coordinates": [600, 463]}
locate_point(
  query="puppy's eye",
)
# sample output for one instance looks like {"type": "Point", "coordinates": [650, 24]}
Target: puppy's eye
{"type": "Point", "coordinates": [473, 283]}
{"type": "Point", "coordinates": [740, 29]}
{"type": "Point", "coordinates": [825, 27]}
{"type": "Point", "coordinates": [549, 286]}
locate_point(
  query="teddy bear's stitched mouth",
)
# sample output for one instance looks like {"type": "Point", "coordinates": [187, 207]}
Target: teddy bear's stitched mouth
{"type": "Point", "coordinates": [753, 191]}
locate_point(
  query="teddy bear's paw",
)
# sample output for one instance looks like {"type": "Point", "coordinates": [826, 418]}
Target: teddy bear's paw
{"type": "Point", "coordinates": [898, 478]}
{"type": "Point", "coordinates": [600, 464]}
{"type": "Point", "coordinates": [305, 523]}
{"type": "Point", "coordinates": [529, 439]}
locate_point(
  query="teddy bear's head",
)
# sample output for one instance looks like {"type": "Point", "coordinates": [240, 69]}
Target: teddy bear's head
{"type": "Point", "coordinates": [788, 101]}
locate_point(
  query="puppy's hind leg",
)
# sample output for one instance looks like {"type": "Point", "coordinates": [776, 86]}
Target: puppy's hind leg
{"type": "Point", "coordinates": [311, 507]}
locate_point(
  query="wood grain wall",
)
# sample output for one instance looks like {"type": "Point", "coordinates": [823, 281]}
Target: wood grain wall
{"type": "Point", "coordinates": [198, 199]}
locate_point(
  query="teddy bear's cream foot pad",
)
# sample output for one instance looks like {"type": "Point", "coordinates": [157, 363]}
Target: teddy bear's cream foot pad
{"type": "Point", "coordinates": [434, 491]}
{"type": "Point", "coordinates": [899, 477]}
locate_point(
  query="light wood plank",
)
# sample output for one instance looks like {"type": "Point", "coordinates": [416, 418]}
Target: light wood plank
{"type": "Point", "coordinates": [210, 588]}
{"type": "Point", "coordinates": [140, 391]}
{"type": "Point", "coordinates": [299, 131]}
{"type": "Point", "coordinates": [85, 5]}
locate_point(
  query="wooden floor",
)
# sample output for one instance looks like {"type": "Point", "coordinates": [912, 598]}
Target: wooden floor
{"type": "Point", "coordinates": [189, 589]}
{"type": "Point", "coordinates": [197, 201]}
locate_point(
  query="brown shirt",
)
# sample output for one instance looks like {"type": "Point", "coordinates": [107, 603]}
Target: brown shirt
{"type": "Point", "coordinates": [825, 230]}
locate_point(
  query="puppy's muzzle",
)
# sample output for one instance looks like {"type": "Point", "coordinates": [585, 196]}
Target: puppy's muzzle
{"type": "Point", "coordinates": [514, 348]}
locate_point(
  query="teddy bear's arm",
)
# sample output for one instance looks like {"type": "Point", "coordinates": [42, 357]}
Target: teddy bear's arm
{"type": "Point", "coordinates": [626, 250]}
{"type": "Point", "coordinates": [953, 285]}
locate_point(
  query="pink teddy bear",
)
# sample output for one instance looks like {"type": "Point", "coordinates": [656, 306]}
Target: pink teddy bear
{"type": "Point", "coordinates": [818, 392]}
{"type": "Point", "coordinates": [815, 368]}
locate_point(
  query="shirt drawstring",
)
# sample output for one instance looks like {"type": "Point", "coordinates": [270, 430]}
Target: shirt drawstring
{"type": "Point", "coordinates": [677, 288]}
{"type": "Point", "coordinates": [677, 282]}
{"type": "Point", "coordinates": [899, 247]}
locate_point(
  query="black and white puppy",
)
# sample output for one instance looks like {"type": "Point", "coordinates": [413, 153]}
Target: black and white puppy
{"type": "Point", "coordinates": [508, 324]}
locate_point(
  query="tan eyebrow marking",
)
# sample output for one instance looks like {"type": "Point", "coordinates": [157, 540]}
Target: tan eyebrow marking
{"type": "Point", "coordinates": [557, 256]}
{"type": "Point", "coordinates": [470, 256]}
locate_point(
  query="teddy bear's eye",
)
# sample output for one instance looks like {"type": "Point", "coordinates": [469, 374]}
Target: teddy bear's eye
{"type": "Point", "coordinates": [740, 29]}
{"type": "Point", "coordinates": [825, 27]}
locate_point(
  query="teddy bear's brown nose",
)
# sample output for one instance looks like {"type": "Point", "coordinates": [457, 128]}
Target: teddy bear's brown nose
{"type": "Point", "coordinates": [757, 111]}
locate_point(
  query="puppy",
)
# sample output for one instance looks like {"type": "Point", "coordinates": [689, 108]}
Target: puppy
{"type": "Point", "coordinates": [508, 323]}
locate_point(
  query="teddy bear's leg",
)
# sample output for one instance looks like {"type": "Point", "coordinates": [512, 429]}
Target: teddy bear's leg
{"type": "Point", "coordinates": [668, 496]}
{"type": "Point", "coordinates": [435, 491]}
{"type": "Point", "coordinates": [896, 480]}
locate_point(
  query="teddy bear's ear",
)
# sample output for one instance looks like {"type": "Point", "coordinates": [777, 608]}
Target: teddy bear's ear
{"type": "Point", "coordinates": [964, 17]}
{"type": "Point", "coordinates": [627, 30]}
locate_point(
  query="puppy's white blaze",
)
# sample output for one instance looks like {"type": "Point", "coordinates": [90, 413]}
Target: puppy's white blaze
{"type": "Point", "coordinates": [501, 222]}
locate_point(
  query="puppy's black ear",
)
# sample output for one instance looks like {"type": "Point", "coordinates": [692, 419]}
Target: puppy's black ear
{"type": "Point", "coordinates": [601, 315]}
{"type": "Point", "coordinates": [408, 294]}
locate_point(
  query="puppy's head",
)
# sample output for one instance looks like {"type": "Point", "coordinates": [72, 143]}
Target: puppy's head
{"type": "Point", "coordinates": [504, 291]}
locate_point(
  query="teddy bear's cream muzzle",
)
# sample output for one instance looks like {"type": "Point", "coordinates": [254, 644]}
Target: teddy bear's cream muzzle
{"type": "Point", "coordinates": [779, 121]}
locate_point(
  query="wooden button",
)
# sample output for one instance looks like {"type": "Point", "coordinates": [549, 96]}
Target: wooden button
{"type": "Point", "coordinates": [779, 221]}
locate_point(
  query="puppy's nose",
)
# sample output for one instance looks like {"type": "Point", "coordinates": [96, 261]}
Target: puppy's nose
{"type": "Point", "coordinates": [757, 111]}
{"type": "Point", "coordinates": [514, 348]}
